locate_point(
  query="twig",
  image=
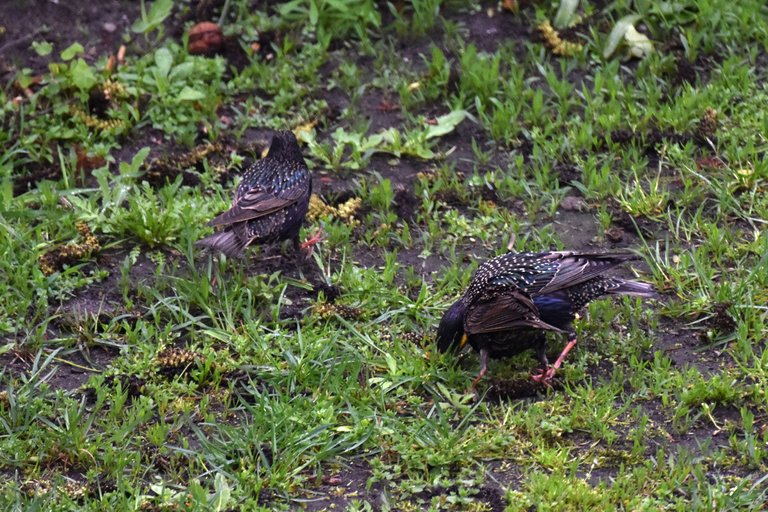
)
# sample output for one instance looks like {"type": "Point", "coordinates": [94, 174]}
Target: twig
{"type": "Point", "coordinates": [61, 360]}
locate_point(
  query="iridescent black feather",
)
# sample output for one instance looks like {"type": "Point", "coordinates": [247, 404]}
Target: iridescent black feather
{"type": "Point", "coordinates": [270, 203]}
{"type": "Point", "coordinates": [514, 298]}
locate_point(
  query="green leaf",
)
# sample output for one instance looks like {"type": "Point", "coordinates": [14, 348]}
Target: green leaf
{"type": "Point", "coordinates": [189, 94]}
{"type": "Point", "coordinates": [42, 48]}
{"type": "Point", "coordinates": [73, 50]}
{"type": "Point", "coordinates": [420, 152]}
{"type": "Point", "coordinates": [182, 71]}
{"type": "Point", "coordinates": [163, 61]}
{"type": "Point", "coordinates": [617, 34]}
{"type": "Point", "coordinates": [149, 21]}
{"type": "Point", "coordinates": [134, 167]}
{"type": "Point", "coordinates": [82, 75]}
{"type": "Point", "coordinates": [223, 493]}
{"type": "Point", "coordinates": [160, 10]}
{"type": "Point", "coordinates": [391, 363]}
{"type": "Point", "coordinates": [446, 124]}
{"type": "Point", "coordinates": [564, 15]}
{"type": "Point", "coordinates": [314, 13]}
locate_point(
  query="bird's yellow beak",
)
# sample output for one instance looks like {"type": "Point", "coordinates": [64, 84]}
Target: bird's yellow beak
{"type": "Point", "coordinates": [463, 341]}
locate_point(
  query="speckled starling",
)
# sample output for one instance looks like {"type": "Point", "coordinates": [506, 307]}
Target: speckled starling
{"type": "Point", "coordinates": [515, 298]}
{"type": "Point", "coordinates": [270, 203]}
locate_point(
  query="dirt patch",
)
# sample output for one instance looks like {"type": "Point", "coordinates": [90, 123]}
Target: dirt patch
{"type": "Point", "coordinates": [79, 319]}
{"type": "Point", "coordinates": [350, 483]}
{"type": "Point", "coordinates": [577, 230]}
{"type": "Point", "coordinates": [71, 369]}
{"type": "Point", "coordinates": [654, 139]}
{"type": "Point", "coordinates": [338, 187]}
{"type": "Point", "coordinates": [685, 347]}
{"type": "Point", "coordinates": [341, 487]}
{"type": "Point", "coordinates": [98, 26]}
{"type": "Point", "coordinates": [489, 29]}
{"type": "Point", "coordinates": [503, 475]}
{"type": "Point", "coordinates": [34, 173]}
{"type": "Point", "coordinates": [637, 225]}
{"type": "Point", "coordinates": [501, 389]}
{"type": "Point", "coordinates": [168, 160]}
{"type": "Point", "coordinates": [398, 170]}
{"type": "Point", "coordinates": [382, 110]}
{"type": "Point", "coordinates": [568, 173]}
{"type": "Point", "coordinates": [702, 439]}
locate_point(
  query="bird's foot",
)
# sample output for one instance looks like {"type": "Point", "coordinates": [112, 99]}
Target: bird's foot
{"type": "Point", "coordinates": [483, 371]}
{"type": "Point", "coordinates": [545, 375]}
{"type": "Point", "coordinates": [475, 382]}
{"type": "Point", "coordinates": [309, 244]}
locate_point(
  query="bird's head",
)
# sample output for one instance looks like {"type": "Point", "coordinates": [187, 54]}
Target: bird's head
{"type": "Point", "coordinates": [450, 332]}
{"type": "Point", "coordinates": [285, 146]}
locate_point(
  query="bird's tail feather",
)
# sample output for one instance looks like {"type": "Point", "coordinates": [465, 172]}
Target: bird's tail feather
{"type": "Point", "coordinates": [225, 241]}
{"type": "Point", "coordinates": [637, 288]}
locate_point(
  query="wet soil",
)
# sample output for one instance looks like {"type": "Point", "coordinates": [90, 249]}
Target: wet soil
{"type": "Point", "coordinates": [98, 26]}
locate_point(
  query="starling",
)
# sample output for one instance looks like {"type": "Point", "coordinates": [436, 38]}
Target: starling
{"type": "Point", "coordinates": [270, 203]}
{"type": "Point", "coordinates": [515, 298]}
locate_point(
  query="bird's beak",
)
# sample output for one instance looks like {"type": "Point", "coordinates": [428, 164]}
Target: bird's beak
{"type": "Point", "coordinates": [463, 340]}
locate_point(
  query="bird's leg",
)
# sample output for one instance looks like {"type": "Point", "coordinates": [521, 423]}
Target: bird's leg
{"type": "Point", "coordinates": [546, 376]}
{"type": "Point", "coordinates": [307, 246]}
{"type": "Point", "coordinates": [483, 369]}
{"type": "Point", "coordinates": [310, 242]}
{"type": "Point", "coordinates": [541, 356]}
{"type": "Point", "coordinates": [568, 346]}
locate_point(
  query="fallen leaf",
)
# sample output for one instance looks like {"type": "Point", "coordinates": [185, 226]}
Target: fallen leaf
{"type": "Point", "coordinates": [565, 13]}
{"type": "Point", "coordinates": [638, 44]}
{"type": "Point", "coordinates": [446, 124]}
{"type": "Point", "coordinates": [617, 34]}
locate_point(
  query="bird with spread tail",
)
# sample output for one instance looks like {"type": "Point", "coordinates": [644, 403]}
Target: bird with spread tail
{"type": "Point", "coordinates": [514, 299]}
{"type": "Point", "coordinates": [270, 203]}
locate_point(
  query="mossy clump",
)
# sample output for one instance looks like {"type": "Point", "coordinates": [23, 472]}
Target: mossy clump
{"type": "Point", "coordinates": [56, 258]}
{"type": "Point", "coordinates": [708, 123]}
{"type": "Point", "coordinates": [175, 361]}
{"type": "Point", "coordinates": [328, 310]}
{"type": "Point", "coordinates": [558, 45]}
{"type": "Point", "coordinates": [345, 211]}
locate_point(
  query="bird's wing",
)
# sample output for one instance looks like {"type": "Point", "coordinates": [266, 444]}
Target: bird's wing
{"type": "Point", "coordinates": [547, 272]}
{"type": "Point", "coordinates": [512, 310]}
{"type": "Point", "coordinates": [258, 202]}
{"type": "Point", "coordinates": [578, 267]}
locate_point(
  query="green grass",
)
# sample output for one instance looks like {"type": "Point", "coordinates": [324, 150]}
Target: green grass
{"type": "Point", "coordinates": [144, 375]}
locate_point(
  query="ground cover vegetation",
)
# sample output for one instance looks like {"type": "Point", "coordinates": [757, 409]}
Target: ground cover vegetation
{"type": "Point", "coordinates": [139, 373]}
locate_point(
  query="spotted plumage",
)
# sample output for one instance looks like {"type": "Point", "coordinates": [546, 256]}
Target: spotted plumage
{"type": "Point", "coordinates": [270, 203]}
{"type": "Point", "coordinates": [515, 298]}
